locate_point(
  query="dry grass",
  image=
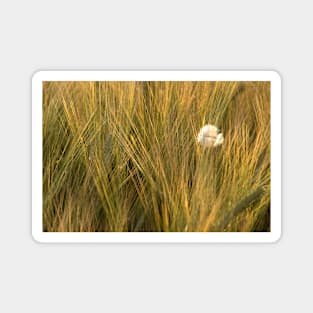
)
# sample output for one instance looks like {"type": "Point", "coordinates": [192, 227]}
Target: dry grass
{"type": "Point", "coordinates": [123, 156]}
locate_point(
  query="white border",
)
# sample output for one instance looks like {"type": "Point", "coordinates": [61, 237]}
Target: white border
{"type": "Point", "coordinates": [153, 75]}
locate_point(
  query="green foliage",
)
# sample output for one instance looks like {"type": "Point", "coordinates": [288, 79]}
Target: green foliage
{"type": "Point", "coordinates": [123, 156]}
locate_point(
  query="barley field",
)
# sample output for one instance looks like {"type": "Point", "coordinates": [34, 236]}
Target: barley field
{"type": "Point", "coordinates": [124, 157]}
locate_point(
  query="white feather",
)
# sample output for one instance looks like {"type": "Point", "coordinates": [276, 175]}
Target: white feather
{"type": "Point", "coordinates": [210, 136]}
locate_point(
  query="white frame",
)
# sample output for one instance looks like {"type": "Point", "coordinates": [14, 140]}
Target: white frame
{"type": "Point", "coordinates": [156, 75]}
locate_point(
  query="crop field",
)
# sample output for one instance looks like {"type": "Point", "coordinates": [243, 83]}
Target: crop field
{"type": "Point", "coordinates": [126, 156]}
